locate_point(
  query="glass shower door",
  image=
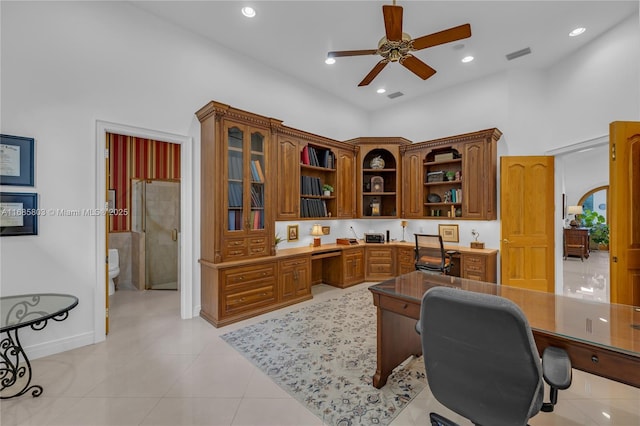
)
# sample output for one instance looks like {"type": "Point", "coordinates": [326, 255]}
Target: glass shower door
{"type": "Point", "coordinates": [161, 224]}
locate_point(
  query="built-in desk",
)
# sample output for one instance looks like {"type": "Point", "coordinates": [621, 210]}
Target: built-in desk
{"type": "Point", "coordinates": [239, 289]}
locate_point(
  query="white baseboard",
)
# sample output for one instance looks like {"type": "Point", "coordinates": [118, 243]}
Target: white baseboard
{"type": "Point", "coordinates": [56, 346]}
{"type": "Point", "coordinates": [196, 311]}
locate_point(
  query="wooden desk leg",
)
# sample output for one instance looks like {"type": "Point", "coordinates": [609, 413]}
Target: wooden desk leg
{"type": "Point", "coordinates": [397, 340]}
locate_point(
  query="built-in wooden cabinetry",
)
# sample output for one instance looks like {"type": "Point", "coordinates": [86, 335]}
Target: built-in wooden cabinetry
{"type": "Point", "coordinates": [345, 270]}
{"type": "Point", "coordinates": [236, 214]}
{"type": "Point", "coordinates": [255, 170]}
{"type": "Point", "coordinates": [305, 163]}
{"type": "Point", "coordinates": [406, 260]}
{"type": "Point", "coordinates": [379, 181]}
{"type": "Point", "coordinates": [380, 262]}
{"type": "Point", "coordinates": [453, 177]}
{"type": "Point", "coordinates": [295, 277]}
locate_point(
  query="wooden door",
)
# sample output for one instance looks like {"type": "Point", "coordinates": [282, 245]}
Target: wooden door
{"type": "Point", "coordinates": [527, 232]}
{"type": "Point", "coordinates": [413, 203]}
{"type": "Point", "coordinates": [624, 212]}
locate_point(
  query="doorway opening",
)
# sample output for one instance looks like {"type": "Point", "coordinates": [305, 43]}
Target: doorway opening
{"type": "Point", "coordinates": [103, 195]}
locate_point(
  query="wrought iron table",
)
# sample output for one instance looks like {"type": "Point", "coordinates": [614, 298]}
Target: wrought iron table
{"type": "Point", "coordinates": [16, 312]}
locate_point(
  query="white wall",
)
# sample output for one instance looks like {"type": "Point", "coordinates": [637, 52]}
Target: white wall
{"type": "Point", "coordinates": [67, 64]}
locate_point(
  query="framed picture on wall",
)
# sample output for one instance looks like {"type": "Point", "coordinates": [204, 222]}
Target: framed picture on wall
{"type": "Point", "coordinates": [292, 233]}
{"type": "Point", "coordinates": [449, 233]}
{"type": "Point", "coordinates": [18, 214]}
{"type": "Point", "coordinates": [16, 160]}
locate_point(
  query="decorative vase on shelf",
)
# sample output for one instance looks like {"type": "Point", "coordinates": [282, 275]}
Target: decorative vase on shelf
{"type": "Point", "coordinates": [377, 163]}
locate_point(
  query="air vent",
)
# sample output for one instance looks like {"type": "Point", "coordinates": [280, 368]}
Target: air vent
{"type": "Point", "coordinates": [395, 95]}
{"type": "Point", "coordinates": [517, 54]}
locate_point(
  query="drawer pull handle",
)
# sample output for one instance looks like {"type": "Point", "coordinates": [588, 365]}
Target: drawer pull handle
{"type": "Point", "coordinates": [405, 306]}
{"type": "Point", "coordinates": [242, 299]}
{"type": "Point", "coordinates": [594, 359]}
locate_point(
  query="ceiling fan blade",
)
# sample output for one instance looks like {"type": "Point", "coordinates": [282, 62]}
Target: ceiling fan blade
{"type": "Point", "coordinates": [393, 22]}
{"type": "Point", "coordinates": [351, 53]}
{"type": "Point", "coordinates": [442, 37]}
{"type": "Point", "coordinates": [417, 67]}
{"type": "Point", "coordinates": [374, 72]}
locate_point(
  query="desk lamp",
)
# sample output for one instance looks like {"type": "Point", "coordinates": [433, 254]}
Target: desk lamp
{"type": "Point", "coordinates": [404, 224]}
{"type": "Point", "coordinates": [575, 211]}
{"type": "Point", "coordinates": [316, 231]}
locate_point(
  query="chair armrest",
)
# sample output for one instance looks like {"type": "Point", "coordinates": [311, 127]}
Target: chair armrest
{"type": "Point", "coordinates": [418, 327]}
{"type": "Point", "coordinates": [556, 367]}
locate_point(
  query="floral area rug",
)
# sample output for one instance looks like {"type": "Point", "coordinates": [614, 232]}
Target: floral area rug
{"type": "Point", "coordinates": [324, 355]}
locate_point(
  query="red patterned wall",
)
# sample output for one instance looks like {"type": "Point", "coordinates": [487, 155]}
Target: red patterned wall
{"type": "Point", "coordinates": [137, 158]}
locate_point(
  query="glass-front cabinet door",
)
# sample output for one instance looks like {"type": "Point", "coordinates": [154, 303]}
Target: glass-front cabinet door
{"type": "Point", "coordinates": [246, 193]}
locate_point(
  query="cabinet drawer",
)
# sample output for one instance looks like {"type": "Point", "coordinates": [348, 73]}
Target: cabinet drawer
{"type": "Point", "coordinates": [234, 248]}
{"type": "Point", "coordinates": [249, 299]}
{"type": "Point", "coordinates": [384, 253]}
{"type": "Point", "coordinates": [405, 255]}
{"type": "Point", "coordinates": [292, 263]}
{"type": "Point", "coordinates": [408, 309]}
{"type": "Point", "coordinates": [381, 268]}
{"type": "Point", "coordinates": [257, 246]}
{"type": "Point", "coordinates": [474, 263]}
{"type": "Point", "coordinates": [235, 278]}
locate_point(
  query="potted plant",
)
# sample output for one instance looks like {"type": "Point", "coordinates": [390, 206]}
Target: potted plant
{"type": "Point", "coordinates": [598, 229]}
{"type": "Point", "coordinates": [277, 240]}
{"type": "Point", "coordinates": [328, 189]}
{"type": "Point", "coordinates": [600, 235]}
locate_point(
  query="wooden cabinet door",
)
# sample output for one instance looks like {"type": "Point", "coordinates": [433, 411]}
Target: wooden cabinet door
{"type": "Point", "coordinates": [288, 178]}
{"type": "Point", "coordinates": [527, 228]}
{"type": "Point", "coordinates": [295, 277]}
{"type": "Point", "coordinates": [474, 180]}
{"type": "Point", "coordinates": [624, 213]}
{"type": "Point", "coordinates": [413, 182]}
{"type": "Point", "coordinates": [345, 191]}
{"type": "Point", "coordinates": [353, 266]}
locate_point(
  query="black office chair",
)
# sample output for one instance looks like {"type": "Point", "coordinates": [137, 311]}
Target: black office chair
{"type": "Point", "coordinates": [481, 360]}
{"type": "Point", "coordinates": [431, 256]}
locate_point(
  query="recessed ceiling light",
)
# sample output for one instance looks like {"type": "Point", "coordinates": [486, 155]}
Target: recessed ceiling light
{"type": "Point", "coordinates": [467, 59]}
{"type": "Point", "coordinates": [577, 32]}
{"type": "Point", "coordinates": [249, 12]}
{"type": "Point", "coordinates": [381, 90]}
{"type": "Point", "coordinates": [330, 61]}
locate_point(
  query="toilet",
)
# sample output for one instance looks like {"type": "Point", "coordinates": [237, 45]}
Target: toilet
{"type": "Point", "coordinates": [114, 269]}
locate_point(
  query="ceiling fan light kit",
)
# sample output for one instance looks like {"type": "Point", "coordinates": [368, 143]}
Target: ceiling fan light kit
{"type": "Point", "coordinates": [396, 46]}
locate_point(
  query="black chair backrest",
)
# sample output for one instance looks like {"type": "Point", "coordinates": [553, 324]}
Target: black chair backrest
{"type": "Point", "coordinates": [430, 252]}
{"type": "Point", "coordinates": [480, 356]}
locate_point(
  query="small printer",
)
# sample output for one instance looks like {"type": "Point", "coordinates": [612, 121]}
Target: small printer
{"type": "Point", "coordinates": [374, 238]}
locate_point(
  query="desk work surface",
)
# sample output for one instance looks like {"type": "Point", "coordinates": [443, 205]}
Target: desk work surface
{"type": "Point", "coordinates": [611, 326]}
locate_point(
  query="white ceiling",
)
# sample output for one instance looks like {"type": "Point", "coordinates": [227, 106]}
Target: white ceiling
{"type": "Point", "coordinates": [294, 37]}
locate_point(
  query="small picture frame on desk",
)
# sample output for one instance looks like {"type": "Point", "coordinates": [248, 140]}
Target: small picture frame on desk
{"type": "Point", "coordinates": [16, 160]}
{"type": "Point", "coordinates": [18, 214]}
{"type": "Point", "coordinates": [449, 233]}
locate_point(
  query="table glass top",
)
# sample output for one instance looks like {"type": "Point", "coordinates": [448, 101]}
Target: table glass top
{"type": "Point", "coordinates": [609, 325]}
{"type": "Point", "coordinates": [27, 309]}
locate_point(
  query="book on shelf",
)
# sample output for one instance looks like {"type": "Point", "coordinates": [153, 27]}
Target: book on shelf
{"type": "Point", "coordinates": [259, 172]}
{"type": "Point", "coordinates": [313, 207]}
{"type": "Point", "coordinates": [318, 157]}
{"type": "Point", "coordinates": [235, 194]}
{"type": "Point", "coordinates": [304, 155]}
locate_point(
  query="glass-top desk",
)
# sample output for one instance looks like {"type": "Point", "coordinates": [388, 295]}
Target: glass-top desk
{"type": "Point", "coordinates": [16, 312]}
{"type": "Point", "coordinates": [600, 338]}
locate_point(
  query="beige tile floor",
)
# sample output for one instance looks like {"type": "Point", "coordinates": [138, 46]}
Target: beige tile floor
{"type": "Point", "coordinates": [155, 369]}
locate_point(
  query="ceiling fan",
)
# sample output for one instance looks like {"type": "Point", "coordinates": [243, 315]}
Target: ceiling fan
{"type": "Point", "coordinates": [397, 46]}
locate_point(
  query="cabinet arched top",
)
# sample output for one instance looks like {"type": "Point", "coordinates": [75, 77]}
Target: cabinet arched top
{"type": "Point", "coordinates": [379, 158]}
